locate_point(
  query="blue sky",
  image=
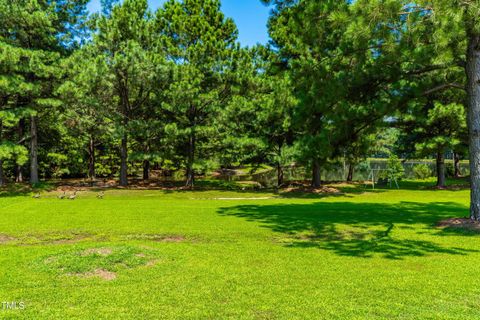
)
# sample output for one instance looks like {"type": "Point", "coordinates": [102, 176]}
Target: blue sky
{"type": "Point", "coordinates": [249, 15]}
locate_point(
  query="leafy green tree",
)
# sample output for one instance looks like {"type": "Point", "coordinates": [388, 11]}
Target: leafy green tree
{"type": "Point", "coordinates": [127, 55]}
{"type": "Point", "coordinates": [256, 123]}
{"type": "Point", "coordinates": [9, 148]}
{"type": "Point", "coordinates": [454, 30]}
{"type": "Point", "coordinates": [12, 87]}
{"type": "Point", "coordinates": [422, 171]}
{"type": "Point", "coordinates": [276, 125]}
{"type": "Point", "coordinates": [384, 140]}
{"type": "Point", "coordinates": [457, 23]}
{"type": "Point", "coordinates": [200, 41]}
{"type": "Point", "coordinates": [395, 168]}
{"type": "Point", "coordinates": [356, 151]}
{"type": "Point", "coordinates": [86, 94]}
{"type": "Point", "coordinates": [440, 131]}
{"type": "Point", "coordinates": [34, 35]}
{"type": "Point", "coordinates": [352, 63]}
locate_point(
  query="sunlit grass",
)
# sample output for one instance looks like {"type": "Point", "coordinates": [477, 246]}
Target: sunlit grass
{"type": "Point", "coordinates": [189, 255]}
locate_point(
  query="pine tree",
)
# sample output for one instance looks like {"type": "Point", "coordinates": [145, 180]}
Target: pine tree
{"type": "Point", "coordinates": [256, 124]}
{"type": "Point", "coordinates": [128, 56]}
{"type": "Point", "coordinates": [434, 129]}
{"type": "Point", "coordinates": [86, 94]}
{"type": "Point", "coordinates": [200, 42]}
{"type": "Point", "coordinates": [34, 35]}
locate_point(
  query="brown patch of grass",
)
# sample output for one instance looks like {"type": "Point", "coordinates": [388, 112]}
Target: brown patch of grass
{"type": "Point", "coordinates": [97, 273]}
{"type": "Point", "coordinates": [156, 237]}
{"type": "Point", "coordinates": [76, 237]}
{"type": "Point", "coordinates": [460, 223]}
{"type": "Point", "coordinates": [104, 274]}
{"type": "Point", "coordinates": [304, 188]}
{"type": "Point", "coordinates": [151, 263]}
{"type": "Point", "coordinates": [240, 198]}
{"type": "Point", "coordinates": [99, 251]}
{"type": "Point", "coordinates": [53, 238]}
{"type": "Point", "coordinates": [455, 187]}
{"type": "Point", "coordinates": [6, 238]}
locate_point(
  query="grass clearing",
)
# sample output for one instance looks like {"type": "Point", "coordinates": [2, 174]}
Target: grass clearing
{"type": "Point", "coordinates": [229, 255]}
{"type": "Point", "coordinates": [95, 261]}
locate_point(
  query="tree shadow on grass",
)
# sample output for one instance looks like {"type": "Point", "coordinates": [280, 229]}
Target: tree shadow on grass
{"type": "Point", "coordinates": [392, 231]}
{"type": "Point", "coordinates": [24, 189]}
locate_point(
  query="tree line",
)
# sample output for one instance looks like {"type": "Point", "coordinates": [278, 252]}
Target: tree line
{"type": "Point", "coordinates": [128, 89]}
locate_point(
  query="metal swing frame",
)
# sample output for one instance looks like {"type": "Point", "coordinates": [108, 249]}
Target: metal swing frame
{"type": "Point", "coordinates": [391, 177]}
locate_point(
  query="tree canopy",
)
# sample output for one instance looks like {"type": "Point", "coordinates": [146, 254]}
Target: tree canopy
{"type": "Point", "coordinates": [127, 89]}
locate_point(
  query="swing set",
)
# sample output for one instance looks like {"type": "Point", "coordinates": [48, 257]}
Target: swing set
{"type": "Point", "coordinates": [374, 177]}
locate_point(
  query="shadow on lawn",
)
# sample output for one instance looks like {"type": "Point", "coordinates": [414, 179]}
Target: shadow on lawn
{"type": "Point", "coordinates": [357, 229]}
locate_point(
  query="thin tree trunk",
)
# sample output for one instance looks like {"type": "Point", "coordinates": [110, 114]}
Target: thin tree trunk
{"type": "Point", "coordinates": [146, 170]}
{"type": "Point", "coordinates": [18, 173]}
{"type": "Point", "coordinates": [123, 161]}
{"type": "Point", "coordinates": [2, 177]}
{"type": "Point", "coordinates": [473, 96]}
{"type": "Point", "coordinates": [18, 167]}
{"type": "Point", "coordinates": [456, 165]}
{"type": "Point", "coordinates": [91, 158]}
{"type": "Point", "coordinates": [280, 175]}
{"type": "Point", "coordinates": [440, 169]}
{"type": "Point", "coordinates": [316, 179]}
{"type": "Point", "coordinates": [190, 161]}
{"type": "Point", "coordinates": [33, 151]}
{"type": "Point", "coordinates": [350, 172]}
{"type": "Point", "coordinates": [146, 164]}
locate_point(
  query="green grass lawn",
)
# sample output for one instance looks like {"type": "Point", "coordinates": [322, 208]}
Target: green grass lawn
{"type": "Point", "coordinates": [209, 255]}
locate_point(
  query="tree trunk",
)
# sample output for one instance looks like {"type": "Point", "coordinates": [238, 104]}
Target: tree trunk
{"type": "Point", "coordinates": [316, 179]}
{"type": "Point", "coordinates": [18, 173]}
{"type": "Point", "coordinates": [280, 175]}
{"type": "Point", "coordinates": [350, 172]}
{"type": "Point", "coordinates": [18, 167]}
{"type": "Point", "coordinates": [2, 178]}
{"type": "Point", "coordinates": [190, 161]}
{"type": "Point", "coordinates": [33, 151]}
{"type": "Point", "coordinates": [440, 169]}
{"type": "Point", "coordinates": [473, 97]}
{"type": "Point", "coordinates": [91, 158]}
{"type": "Point", "coordinates": [146, 170]}
{"type": "Point", "coordinates": [123, 162]}
{"type": "Point", "coordinates": [456, 165]}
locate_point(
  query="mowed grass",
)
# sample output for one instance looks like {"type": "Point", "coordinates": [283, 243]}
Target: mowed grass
{"type": "Point", "coordinates": [211, 255]}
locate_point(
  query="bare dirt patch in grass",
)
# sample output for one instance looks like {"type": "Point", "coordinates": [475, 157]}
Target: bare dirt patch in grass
{"type": "Point", "coordinates": [308, 189]}
{"type": "Point", "coordinates": [57, 238]}
{"type": "Point", "coordinates": [155, 237]}
{"type": "Point", "coordinates": [97, 273]}
{"type": "Point", "coordinates": [103, 262]}
{"type": "Point", "coordinates": [99, 251]}
{"type": "Point", "coordinates": [151, 263]}
{"type": "Point", "coordinates": [104, 274]}
{"type": "Point", "coordinates": [454, 187]}
{"type": "Point", "coordinates": [6, 238]}
{"type": "Point", "coordinates": [244, 198]}
{"type": "Point", "coordinates": [73, 237]}
{"type": "Point", "coordinates": [460, 223]}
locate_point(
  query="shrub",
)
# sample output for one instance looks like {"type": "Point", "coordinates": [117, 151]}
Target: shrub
{"type": "Point", "coordinates": [449, 170]}
{"type": "Point", "coordinates": [422, 171]}
{"type": "Point", "coordinates": [395, 167]}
